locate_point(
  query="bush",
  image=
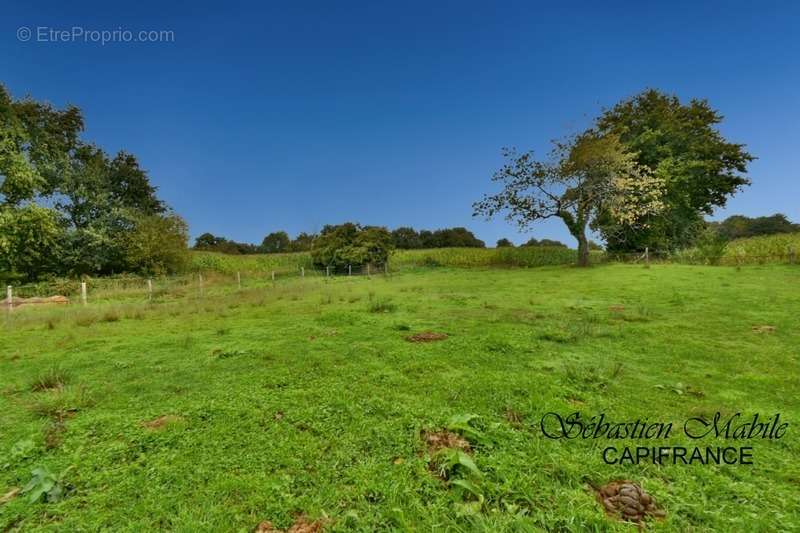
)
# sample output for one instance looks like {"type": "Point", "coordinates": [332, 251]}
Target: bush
{"type": "Point", "coordinates": [351, 244]}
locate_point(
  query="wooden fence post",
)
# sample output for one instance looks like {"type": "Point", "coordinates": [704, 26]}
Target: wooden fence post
{"type": "Point", "coordinates": [792, 255]}
{"type": "Point", "coordinates": [149, 289]}
{"type": "Point", "coordinates": [83, 292]}
{"type": "Point", "coordinates": [327, 271]}
{"type": "Point", "coordinates": [239, 279]}
{"type": "Point", "coordinates": [386, 267]}
{"type": "Point", "coordinates": [200, 284]}
{"type": "Point", "coordinates": [367, 269]}
{"type": "Point", "coordinates": [349, 270]}
{"type": "Point", "coordinates": [302, 272]}
{"type": "Point", "coordinates": [273, 276]}
{"type": "Point", "coordinates": [10, 298]}
{"type": "Point", "coordinates": [646, 257]}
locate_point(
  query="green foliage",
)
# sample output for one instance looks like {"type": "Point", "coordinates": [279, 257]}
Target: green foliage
{"type": "Point", "coordinates": [275, 242]}
{"type": "Point", "coordinates": [544, 242]}
{"type": "Point", "coordinates": [98, 208]}
{"type": "Point", "coordinates": [406, 238]}
{"type": "Point", "coordinates": [588, 176]}
{"type": "Point", "coordinates": [740, 226]}
{"type": "Point", "coordinates": [351, 244]}
{"type": "Point", "coordinates": [681, 145]}
{"type": "Point", "coordinates": [45, 486]}
{"type": "Point", "coordinates": [504, 243]}
{"type": "Point", "coordinates": [158, 245]}
{"type": "Point", "coordinates": [466, 426]}
{"type": "Point", "coordinates": [31, 241]}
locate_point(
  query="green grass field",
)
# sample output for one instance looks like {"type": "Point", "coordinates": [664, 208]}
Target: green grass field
{"type": "Point", "coordinates": [306, 398]}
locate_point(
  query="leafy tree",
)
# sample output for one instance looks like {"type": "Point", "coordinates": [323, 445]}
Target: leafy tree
{"type": "Point", "coordinates": [302, 243]}
{"type": "Point", "coordinates": [587, 175]}
{"type": "Point", "coordinates": [36, 141]}
{"type": "Point", "coordinates": [406, 238]}
{"type": "Point", "coordinates": [31, 238]}
{"type": "Point", "coordinates": [544, 242]}
{"type": "Point", "coordinates": [678, 143]}
{"type": "Point", "coordinates": [158, 244]}
{"type": "Point", "coordinates": [275, 242]}
{"type": "Point", "coordinates": [351, 244]}
{"type": "Point", "coordinates": [504, 243]}
{"type": "Point", "coordinates": [207, 241]}
{"type": "Point", "coordinates": [739, 226]}
{"type": "Point", "coordinates": [450, 238]}
{"type": "Point", "coordinates": [65, 204]}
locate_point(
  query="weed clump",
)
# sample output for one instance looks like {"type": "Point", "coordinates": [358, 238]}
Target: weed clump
{"type": "Point", "coordinates": [54, 378]}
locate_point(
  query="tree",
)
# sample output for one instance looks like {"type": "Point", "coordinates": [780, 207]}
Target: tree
{"type": "Point", "coordinates": [587, 175]}
{"type": "Point", "coordinates": [158, 244]}
{"type": "Point", "coordinates": [504, 243]}
{"type": "Point", "coordinates": [30, 241]}
{"type": "Point", "coordinates": [739, 226]}
{"type": "Point", "coordinates": [351, 244]}
{"type": "Point", "coordinates": [544, 242]}
{"type": "Point", "coordinates": [65, 204]}
{"type": "Point", "coordinates": [275, 242]}
{"type": "Point", "coordinates": [303, 242]}
{"type": "Point", "coordinates": [679, 144]}
{"type": "Point", "coordinates": [406, 238]}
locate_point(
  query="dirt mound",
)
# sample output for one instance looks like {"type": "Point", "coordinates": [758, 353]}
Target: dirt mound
{"type": "Point", "coordinates": [426, 336]}
{"type": "Point", "coordinates": [627, 501]}
{"type": "Point", "coordinates": [764, 329]}
{"type": "Point", "coordinates": [162, 421]}
{"type": "Point", "coordinates": [439, 440]}
{"type": "Point", "coordinates": [301, 525]}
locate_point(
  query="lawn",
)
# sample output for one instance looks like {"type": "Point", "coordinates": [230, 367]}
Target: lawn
{"type": "Point", "coordinates": [306, 398]}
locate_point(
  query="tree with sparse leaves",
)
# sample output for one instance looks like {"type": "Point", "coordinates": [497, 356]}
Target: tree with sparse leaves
{"type": "Point", "coordinates": [585, 176]}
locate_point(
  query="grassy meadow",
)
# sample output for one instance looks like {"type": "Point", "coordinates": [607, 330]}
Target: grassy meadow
{"type": "Point", "coordinates": [306, 398]}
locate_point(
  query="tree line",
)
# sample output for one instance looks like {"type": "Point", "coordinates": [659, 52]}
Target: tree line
{"type": "Point", "coordinates": [404, 238]}
{"type": "Point", "coordinates": [67, 208]}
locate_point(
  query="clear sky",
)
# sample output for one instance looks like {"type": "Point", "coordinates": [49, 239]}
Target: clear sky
{"type": "Point", "coordinates": [263, 116]}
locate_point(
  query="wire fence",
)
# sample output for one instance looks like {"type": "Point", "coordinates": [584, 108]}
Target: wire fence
{"type": "Point", "coordinates": [137, 288]}
{"type": "Point", "coordinates": [127, 287]}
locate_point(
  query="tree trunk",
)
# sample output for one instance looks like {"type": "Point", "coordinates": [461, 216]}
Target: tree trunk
{"type": "Point", "coordinates": [583, 250]}
{"type": "Point", "coordinates": [577, 227]}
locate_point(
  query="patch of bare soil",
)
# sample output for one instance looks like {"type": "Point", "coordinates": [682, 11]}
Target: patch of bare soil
{"type": "Point", "coordinates": [627, 501]}
{"type": "Point", "coordinates": [10, 495]}
{"type": "Point", "coordinates": [426, 336]}
{"type": "Point", "coordinates": [764, 329]}
{"type": "Point", "coordinates": [161, 422]}
{"type": "Point", "coordinates": [439, 440]}
{"type": "Point", "coordinates": [301, 525]}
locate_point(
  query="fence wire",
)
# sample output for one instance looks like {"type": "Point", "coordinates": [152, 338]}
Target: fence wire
{"type": "Point", "coordinates": [127, 287]}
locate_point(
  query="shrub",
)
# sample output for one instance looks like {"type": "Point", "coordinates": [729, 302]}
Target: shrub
{"type": "Point", "coordinates": [351, 244]}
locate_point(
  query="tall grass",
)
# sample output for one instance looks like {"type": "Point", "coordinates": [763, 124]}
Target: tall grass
{"type": "Point", "coordinates": [230, 264]}
{"type": "Point", "coordinates": [765, 249]}
{"type": "Point", "coordinates": [526, 256]}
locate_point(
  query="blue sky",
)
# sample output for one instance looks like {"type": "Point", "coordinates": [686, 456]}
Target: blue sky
{"type": "Point", "coordinates": [263, 116]}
